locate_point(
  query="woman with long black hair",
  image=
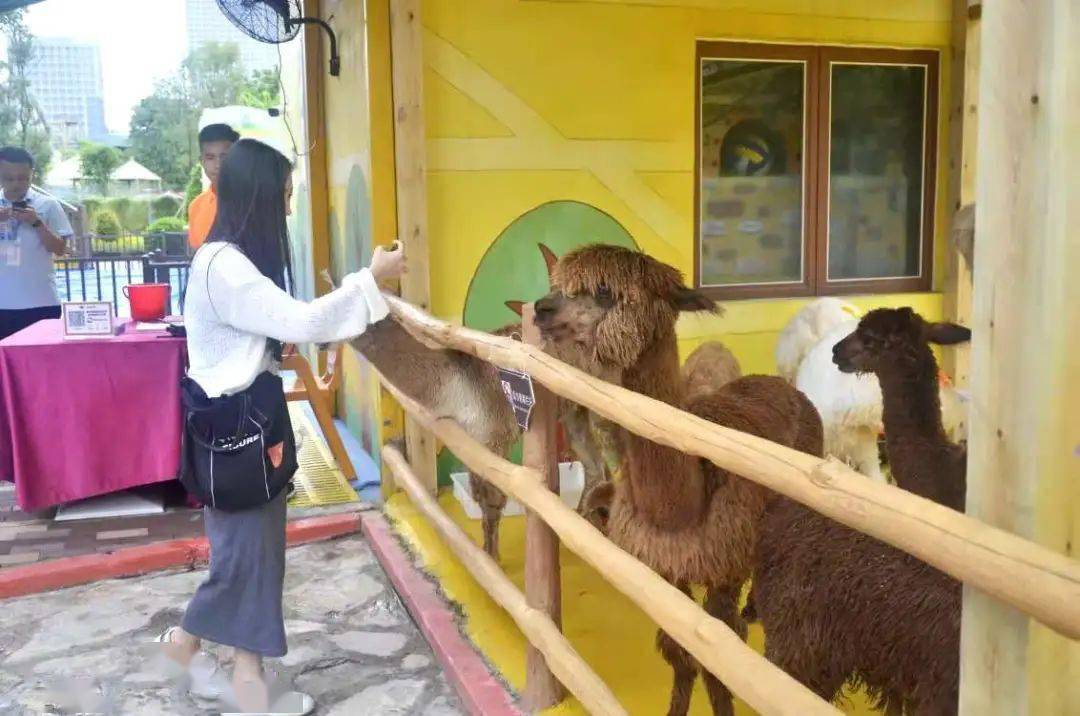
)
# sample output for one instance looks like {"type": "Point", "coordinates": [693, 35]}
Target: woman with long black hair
{"type": "Point", "coordinates": [238, 313]}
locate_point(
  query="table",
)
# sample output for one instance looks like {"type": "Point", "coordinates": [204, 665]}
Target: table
{"type": "Point", "coordinates": [85, 417]}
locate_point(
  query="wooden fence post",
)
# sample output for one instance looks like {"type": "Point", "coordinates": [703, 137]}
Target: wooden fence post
{"type": "Point", "coordinates": [1024, 446]}
{"type": "Point", "coordinates": [410, 153]}
{"type": "Point", "coordinates": [543, 588]}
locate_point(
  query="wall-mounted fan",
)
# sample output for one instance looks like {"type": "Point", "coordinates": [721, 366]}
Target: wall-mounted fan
{"type": "Point", "coordinates": [276, 21]}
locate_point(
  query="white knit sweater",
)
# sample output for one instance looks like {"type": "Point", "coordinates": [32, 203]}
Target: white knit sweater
{"type": "Point", "coordinates": [231, 309]}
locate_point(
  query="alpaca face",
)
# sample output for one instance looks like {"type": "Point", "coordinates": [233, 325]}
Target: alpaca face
{"type": "Point", "coordinates": [890, 337]}
{"type": "Point", "coordinates": [609, 305]}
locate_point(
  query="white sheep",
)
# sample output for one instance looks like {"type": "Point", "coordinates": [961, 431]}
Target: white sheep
{"type": "Point", "coordinates": [850, 405]}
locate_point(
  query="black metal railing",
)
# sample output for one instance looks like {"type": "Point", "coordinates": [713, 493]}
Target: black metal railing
{"type": "Point", "coordinates": [99, 268]}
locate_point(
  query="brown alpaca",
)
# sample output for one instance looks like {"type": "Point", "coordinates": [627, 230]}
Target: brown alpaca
{"type": "Point", "coordinates": [612, 313]}
{"type": "Point", "coordinates": [452, 385]}
{"type": "Point", "coordinates": [710, 367]}
{"type": "Point", "coordinates": [841, 607]}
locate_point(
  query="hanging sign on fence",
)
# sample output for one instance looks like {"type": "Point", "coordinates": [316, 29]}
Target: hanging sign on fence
{"type": "Point", "coordinates": [518, 389]}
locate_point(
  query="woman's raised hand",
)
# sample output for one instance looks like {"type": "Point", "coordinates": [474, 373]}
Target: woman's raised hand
{"type": "Point", "coordinates": [390, 264]}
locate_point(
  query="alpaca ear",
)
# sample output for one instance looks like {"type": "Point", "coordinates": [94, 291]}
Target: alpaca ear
{"type": "Point", "coordinates": [947, 334]}
{"type": "Point", "coordinates": [687, 299]}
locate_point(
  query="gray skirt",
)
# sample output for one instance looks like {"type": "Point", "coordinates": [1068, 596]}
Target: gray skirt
{"type": "Point", "coordinates": [239, 604]}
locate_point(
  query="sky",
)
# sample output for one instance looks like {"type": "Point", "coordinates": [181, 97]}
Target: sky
{"type": "Point", "coordinates": [141, 42]}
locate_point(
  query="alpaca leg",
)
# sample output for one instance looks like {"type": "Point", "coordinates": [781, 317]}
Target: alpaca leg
{"type": "Point", "coordinates": [723, 604]}
{"type": "Point", "coordinates": [491, 501]}
{"type": "Point", "coordinates": [684, 666]}
{"type": "Point", "coordinates": [575, 421]}
{"type": "Point", "coordinates": [605, 435]}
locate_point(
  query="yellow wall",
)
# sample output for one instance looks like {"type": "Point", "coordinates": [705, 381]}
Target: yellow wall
{"type": "Point", "coordinates": [528, 102]}
{"type": "Point", "coordinates": [359, 171]}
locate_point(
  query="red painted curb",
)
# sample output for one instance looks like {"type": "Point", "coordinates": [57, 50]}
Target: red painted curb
{"type": "Point", "coordinates": [130, 561]}
{"type": "Point", "coordinates": [481, 692]}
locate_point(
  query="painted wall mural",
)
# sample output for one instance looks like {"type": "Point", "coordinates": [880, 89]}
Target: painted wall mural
{"type": "Point", "coordinates": [350, 250]}
{"type": "Point", "coordinates": [516, 267]}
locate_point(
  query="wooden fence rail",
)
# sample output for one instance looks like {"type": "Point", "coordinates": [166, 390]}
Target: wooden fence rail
{"type": "Point", "coordinates": [561, 658]}
{"type": "Point", "coordinates": [1035, 580]}
{"type": "Point", "coordinates": [767, 688]}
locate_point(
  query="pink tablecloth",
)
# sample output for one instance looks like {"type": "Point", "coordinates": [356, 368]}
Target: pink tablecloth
{"type": "Point", "coordinates": [80, 418]}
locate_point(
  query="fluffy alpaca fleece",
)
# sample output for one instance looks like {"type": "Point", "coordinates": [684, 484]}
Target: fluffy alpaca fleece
{"type": "Point", "coordinates": [452, 385]}
{"type": "Point", "coordinates": [841, 607]}
{"type": "Point", "coordinates": [709, 367]}
{"type": "Point", "coordinates": [612, 313]}
{"type": "Point", "coordinates": [805, 329]}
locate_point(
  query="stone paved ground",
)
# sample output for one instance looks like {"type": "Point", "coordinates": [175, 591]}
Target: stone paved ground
{"type": "Point", "coordinates": [352, 644]}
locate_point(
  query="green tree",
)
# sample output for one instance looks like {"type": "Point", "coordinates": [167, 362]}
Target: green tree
{"type": "Point", "coordinates": [163, 136]}
{"type": "Point", "coordinates": [263, 89]}
{"type": "Point", "coordinates": [164, 126]}
{"type": "Point", "coordinates": [213, 76]}
{"type": "Point", "coordinates": [97, 163]}
{"type": "Point", "coordinates": [21, 120]}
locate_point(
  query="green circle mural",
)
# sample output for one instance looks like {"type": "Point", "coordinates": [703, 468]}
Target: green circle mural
{"type": "Point", "coordinates": [516, 266]}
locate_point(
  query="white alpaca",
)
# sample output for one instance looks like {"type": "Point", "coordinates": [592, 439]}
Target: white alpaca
{"type": "Point", "coordinates": [850, 405]}
{"type": "Point", "coordinates": [805, 329]}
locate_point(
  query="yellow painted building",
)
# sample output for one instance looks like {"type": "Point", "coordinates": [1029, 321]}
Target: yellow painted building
{"type": "Point", "coordinates": [564, 122]}
{"type": "Point", "coordinates": [581, 114]}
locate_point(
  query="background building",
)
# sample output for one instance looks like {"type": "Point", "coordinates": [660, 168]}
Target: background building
{"type": "Point", "coordinates": [206, 23]}
{"type": "Point", "coordinates": [65, 78]}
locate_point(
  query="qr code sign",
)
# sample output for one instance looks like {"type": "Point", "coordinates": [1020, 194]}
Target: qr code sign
{"type": "Point", "coordinates": [77, 319]}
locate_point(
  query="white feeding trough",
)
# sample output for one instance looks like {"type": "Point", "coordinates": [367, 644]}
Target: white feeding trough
{"type": "Point", "coordinates": [571, 483]}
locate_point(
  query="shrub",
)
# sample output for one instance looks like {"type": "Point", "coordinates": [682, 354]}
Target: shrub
{"type": "Point", "coordinates": [165, 206]}
{"type": "Point", "coordinates": [92, 204]}
{"type": "Point", "coordinates": [105, 224]}
{"type": "Point", "coordinates": [166, 223]}
{"type": "Point", "coordinates": [134, 214]}
{"type": "Point", "coordinates": [194, 187]}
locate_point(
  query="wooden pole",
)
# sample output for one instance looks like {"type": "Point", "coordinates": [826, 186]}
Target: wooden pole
{"type": "Point", "coordinates": [410, 160]}
{"type": "Point", "coordinates": [543, 586]}
{"type": "Point", "coordinates": [1042, 582]}
{"type": "Point", "coordinates": [543, 634]}
{"type": "Point", "coordinates": [764, 686]}
{"type": "Point", "coordinates": [1024, 446]}
{"type": "Point", "coordinates": [963, 131]}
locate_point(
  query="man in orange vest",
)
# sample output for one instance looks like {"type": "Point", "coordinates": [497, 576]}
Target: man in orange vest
{"type": "Point", "coordinates": [214, 143]}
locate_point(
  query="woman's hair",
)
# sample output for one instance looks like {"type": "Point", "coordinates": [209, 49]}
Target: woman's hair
{"type": "Point", "coordinates": [251, 208]}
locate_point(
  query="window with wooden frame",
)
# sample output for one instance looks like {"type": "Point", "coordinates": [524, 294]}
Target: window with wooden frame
{"type": "Point", "coordinates": [815, 169]}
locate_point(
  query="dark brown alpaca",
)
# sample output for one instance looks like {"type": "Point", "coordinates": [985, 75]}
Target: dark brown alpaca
{"type": "Point", "coordinates": [612, 313]}
{"type": "Point", "coordinates": [841, 607]}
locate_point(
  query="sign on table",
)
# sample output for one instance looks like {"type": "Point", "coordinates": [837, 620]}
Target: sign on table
{"type": "Point", "coordinates": [88, 318]}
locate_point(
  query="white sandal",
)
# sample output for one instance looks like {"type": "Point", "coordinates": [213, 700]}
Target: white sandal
{"type": "Point", "coordinates": [290, 703]}
{"type": "Point", "coordinates": [207, 681]}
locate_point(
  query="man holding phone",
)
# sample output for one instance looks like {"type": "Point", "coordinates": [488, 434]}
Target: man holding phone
{"type": "Point", "coordinates": [33, 229]}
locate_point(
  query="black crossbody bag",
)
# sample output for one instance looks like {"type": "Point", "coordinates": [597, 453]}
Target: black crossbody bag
{"type": "Point", "coordinates": [224, 460]}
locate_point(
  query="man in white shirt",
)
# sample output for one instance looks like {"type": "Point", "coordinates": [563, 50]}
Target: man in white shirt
{"type": "Point", "coordinates": [33, 229]}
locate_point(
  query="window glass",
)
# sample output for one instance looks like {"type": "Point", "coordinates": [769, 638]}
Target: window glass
{"type": "Point", "coordinates": [751, 154]}
{"type": "Point", "coordinates": [876, 151]}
